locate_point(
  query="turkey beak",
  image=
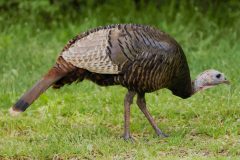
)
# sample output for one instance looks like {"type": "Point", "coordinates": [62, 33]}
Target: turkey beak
{"type": "Point", "coordinates": [226, 81]}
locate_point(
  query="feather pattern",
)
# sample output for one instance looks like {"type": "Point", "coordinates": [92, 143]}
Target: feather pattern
{"type": "Point", "coordinates": [90, 53]}
{"type": "Point", "coordinates": [138, 57]}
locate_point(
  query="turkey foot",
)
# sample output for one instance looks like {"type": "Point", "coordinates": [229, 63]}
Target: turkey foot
{"type": "Point", "coordinates": [161, 134]}
{"type": "Point", "coordinates": [128, 138]}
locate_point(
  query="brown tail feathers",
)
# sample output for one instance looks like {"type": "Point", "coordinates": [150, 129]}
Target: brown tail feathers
{"type": "Point", "coordinates": [61, 69]}
{"type": "Point", "coordinates": [28, 98]}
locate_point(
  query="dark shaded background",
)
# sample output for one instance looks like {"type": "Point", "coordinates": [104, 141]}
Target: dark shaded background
{"type": "Point", "coordinates": [54, 12]}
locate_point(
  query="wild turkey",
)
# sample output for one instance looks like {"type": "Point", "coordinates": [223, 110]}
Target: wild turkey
{"type": "Point", "coordinates": [138, 57]}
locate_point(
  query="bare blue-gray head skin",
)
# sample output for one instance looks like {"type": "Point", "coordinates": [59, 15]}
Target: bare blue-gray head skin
{"type": "Point", "coordinates": [208, 79]}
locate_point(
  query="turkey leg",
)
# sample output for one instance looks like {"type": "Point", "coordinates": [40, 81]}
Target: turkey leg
{"type": "Point", "coordinates": [141, 102]}
{"type": "Point", "coordinates": [127, 103]}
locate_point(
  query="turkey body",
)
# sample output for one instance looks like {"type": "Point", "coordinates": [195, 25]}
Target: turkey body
{"type": "Point", "coordinates": [138, 57]}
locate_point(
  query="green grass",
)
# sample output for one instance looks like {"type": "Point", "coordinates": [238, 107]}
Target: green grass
{"type": "Point", "coordinates": [85, 121]}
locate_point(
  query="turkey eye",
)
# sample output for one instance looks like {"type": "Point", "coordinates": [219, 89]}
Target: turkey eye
{"type": "Point", "coordinates": [218, 75]}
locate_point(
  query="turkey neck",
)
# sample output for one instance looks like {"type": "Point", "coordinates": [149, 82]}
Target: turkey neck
{"type": "Point", "coordinates": [196, 86]}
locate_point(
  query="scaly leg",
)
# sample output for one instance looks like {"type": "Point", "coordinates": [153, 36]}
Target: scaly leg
{"type": "Point", "coordinates": [127, 103]}
{"type": "Point", "coordinates": [141, 102]}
